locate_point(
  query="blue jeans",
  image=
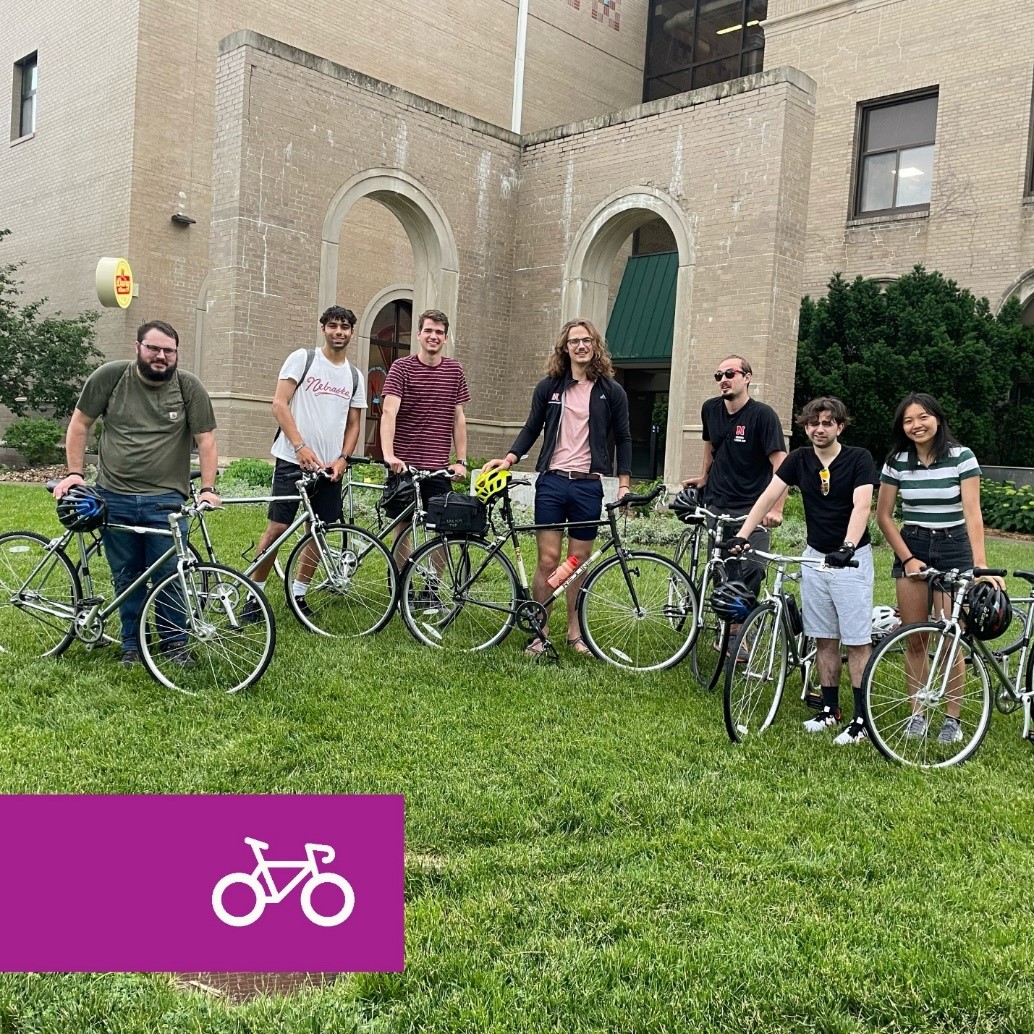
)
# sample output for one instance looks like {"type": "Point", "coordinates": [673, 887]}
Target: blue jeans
{"type": "Point", "coordinates": [130, 554]}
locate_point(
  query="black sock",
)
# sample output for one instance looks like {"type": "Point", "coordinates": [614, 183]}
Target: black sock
{"type": "Point", "coordinates": [831, 697]}
{"type": "Point", "coordinates": [859, 711]}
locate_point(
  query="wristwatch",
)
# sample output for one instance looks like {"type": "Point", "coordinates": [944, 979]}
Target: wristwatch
{"type": "Point", "coordinates": [848, 544]}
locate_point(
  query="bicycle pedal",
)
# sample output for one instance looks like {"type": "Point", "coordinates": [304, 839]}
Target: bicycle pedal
{"type": "Point", "coordinates": [90, 601]}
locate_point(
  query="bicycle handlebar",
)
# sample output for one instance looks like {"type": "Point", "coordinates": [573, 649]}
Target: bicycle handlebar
{"type": "Point", "coordinates": [636, 500]}
{"type": "Point", "coordinates": [818, 562]}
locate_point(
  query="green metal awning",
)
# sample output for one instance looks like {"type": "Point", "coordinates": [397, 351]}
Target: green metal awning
{"type": "Point", "coordinates": [642, 322]}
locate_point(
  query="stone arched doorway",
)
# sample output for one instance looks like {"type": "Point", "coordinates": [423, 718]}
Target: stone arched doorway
{"type": "Point", "coordinates": [587, 288]}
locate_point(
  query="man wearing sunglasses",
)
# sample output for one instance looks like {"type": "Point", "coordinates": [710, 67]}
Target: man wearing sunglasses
{"type": "Point", "coordinates": [743, 447]}
{"type": "Point", "coordinates": [152, 413]}
{"type": "Point", "coordinates": [836, 483]}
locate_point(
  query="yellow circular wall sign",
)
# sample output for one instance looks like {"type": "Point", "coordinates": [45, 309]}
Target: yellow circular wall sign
{"type": "Point", "coordinates": [114, 282]}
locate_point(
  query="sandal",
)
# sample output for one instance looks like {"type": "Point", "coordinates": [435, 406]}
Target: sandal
{"type": "Point", "coordinates": [536, 647]}
{"type": "Point", "coordinates": [578, 645]}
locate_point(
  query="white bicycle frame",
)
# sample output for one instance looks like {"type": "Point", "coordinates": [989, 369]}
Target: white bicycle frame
{"type": "Point", "coordinates": [274, 895]}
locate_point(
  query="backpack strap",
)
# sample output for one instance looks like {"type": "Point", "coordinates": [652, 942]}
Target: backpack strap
{"type": "Point", "coordinates": [310, 355]}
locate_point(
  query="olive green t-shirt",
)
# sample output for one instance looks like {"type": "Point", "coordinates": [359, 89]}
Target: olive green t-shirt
{"type": "Point", "coordinates": [148, 431]}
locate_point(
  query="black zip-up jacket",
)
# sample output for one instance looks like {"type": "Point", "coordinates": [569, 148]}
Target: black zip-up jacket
{"type": "Point", "coordinates": [608, 420]}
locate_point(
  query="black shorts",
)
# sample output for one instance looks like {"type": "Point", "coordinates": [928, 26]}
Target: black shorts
{"type": "Point", "coordinates": [940, 548]}
{"type": "Point", "coordinates": [325, 495]}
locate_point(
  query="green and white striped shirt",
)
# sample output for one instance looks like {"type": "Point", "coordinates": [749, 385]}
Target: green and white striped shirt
{"type": "Point", "coordinates": [932, 496]}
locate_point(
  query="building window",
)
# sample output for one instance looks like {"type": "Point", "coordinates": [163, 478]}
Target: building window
{"type": "Point", "coordinates": [25, 78]}
{"type": "Point", "coordinates": [895, 156]}
{"type": "Point", "coordinates": [390, 339]}
{"type": "Point", "coordinates": [696, 43]}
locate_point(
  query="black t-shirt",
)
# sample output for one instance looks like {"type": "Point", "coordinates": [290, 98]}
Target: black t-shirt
{"type": "Point", "coordinates": [740, 446]}
{"type": "Point", "coordinates": [828, 516]}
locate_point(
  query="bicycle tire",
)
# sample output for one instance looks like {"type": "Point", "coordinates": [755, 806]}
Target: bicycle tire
{"type": "Point", "coordinates": [353, 586]}
{"type": "Point", "coordinates": [457, 594]}
{"type": "Point", "coordinates": [39, 590]}
{"type": "Point", "coordinates": [688, 551]}
{"type": "Point", "coordinates": [219, 637]}
{"type": "Point", "coordinates": [890, 704]}
{"type": "Point", "coordinates": [711, 648]}
{"type": "Point", "coordinates": [754, 685]}
{"type": "Point", "coordinates": [651, 633]}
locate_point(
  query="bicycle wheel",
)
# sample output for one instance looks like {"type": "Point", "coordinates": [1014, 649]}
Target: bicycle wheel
{"type": "Point", "coordinates": [754, 684]}
{"type": "Point", "coordinates": [457, 593]}
{"type": "Point", "coordinates": [913, 678]}
{"type": "Point", "coordinates": [352, 582]}
{"type": "Point", "coordinates": [212, 631]}
{"type": "Point", "coordinates": [38, 595]}
{"type": "Point", "coordinates": [691, 551]}
{"type": "Point", "coordinates": [642, 620]}
{"type": "Point", "coordinates": [711, 649]}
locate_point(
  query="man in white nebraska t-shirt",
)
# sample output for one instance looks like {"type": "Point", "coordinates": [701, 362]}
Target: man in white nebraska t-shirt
{"type": "Point", "coordinates": [318, 413]}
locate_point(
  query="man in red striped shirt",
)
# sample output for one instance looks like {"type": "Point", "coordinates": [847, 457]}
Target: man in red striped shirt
{"type": "Point", "coordinates": [422, 416]}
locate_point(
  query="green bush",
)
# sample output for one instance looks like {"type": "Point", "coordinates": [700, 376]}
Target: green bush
{"type": "Point", "coordinates": [36, 440]}
{"type": "Point", "coordinates": [256, 473]}
{"type": "Point", "coordinates": [1007, 507]}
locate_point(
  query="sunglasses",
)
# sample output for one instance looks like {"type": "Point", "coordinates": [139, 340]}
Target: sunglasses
{"type": "Point", "coordinates": [726, 375]}
{"type": "Point", "coordinates": [824, 480]}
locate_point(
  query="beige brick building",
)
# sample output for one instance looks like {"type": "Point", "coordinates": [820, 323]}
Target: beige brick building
{"type": "Point", "coordinates": [492, 158]}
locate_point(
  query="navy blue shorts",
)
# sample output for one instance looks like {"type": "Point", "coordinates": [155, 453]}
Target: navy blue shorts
{"type": "Point", "coordinates": [940, 548]}
{"type": "Point", "coordinates": [559, 500]}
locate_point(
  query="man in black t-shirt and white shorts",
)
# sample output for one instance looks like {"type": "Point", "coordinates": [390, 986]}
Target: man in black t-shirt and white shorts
{"type": "Point", "coordinates": [743, 447]}
{"type": "Point", "coordinates": [836, 483]}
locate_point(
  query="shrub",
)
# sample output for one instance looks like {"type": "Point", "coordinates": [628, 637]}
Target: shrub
{"type": "Point", "coordinates": [36, 440]}
{"type": "Point", "coordinates": [1007, 507]}
{"type": "Point", "coordinates": [255, 473]}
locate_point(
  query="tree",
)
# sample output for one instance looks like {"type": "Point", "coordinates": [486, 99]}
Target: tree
{"type": "Point", "coordinates": [871, 346]}
{"type": "Point", "coordinates": [43, 359]}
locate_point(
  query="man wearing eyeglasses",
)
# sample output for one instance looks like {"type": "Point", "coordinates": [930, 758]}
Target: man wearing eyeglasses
{"type": "Point", "coordinates": [152, 412]}
{"type": "Point", "coordinates": [836, 483]}
{"type": "Point", "coordinates": [743, 447]}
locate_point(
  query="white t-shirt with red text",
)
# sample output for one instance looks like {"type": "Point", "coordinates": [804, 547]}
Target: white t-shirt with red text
{"type": "Point", "coordinates": [320, 405]}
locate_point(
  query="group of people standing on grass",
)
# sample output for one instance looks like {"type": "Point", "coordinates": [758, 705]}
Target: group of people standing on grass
{"type": "Point", "coordinates": [153, 412]}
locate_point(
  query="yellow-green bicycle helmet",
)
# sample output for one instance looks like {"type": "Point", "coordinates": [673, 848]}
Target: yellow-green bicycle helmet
{"type": "Point", "coordinates": [489, 483]}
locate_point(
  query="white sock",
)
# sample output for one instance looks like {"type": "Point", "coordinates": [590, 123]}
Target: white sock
{"type": "Point", "coordinates": [261, 585]}
{"type": "Point", "coordinates": [299, 588]}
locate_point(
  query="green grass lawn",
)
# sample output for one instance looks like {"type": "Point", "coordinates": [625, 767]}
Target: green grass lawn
{"type": "Point", "coordinates": [586, 850]}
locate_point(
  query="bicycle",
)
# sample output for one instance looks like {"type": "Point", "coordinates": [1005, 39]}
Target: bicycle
{"type": "Point", "coordinates": [699, 553]}
{"type": "Point", "coordinates": [903, 703]}
{"type": "Point", "coordinates": [193, 636]}
{"type": "Point", "coordinates": [464, 593]}
{"type": "Point", "coordinates": [770, 640]}
{"type": "Point", "coordinates": [272, 895]}
{"type": "Point", "coordinates": [351, 576]}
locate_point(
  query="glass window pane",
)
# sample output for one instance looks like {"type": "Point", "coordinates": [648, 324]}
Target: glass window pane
{"type": "Point", "coordinates": [878, 182]}
{"type": "Point", "coordinates": [671, 37]}
{"type": "Point", "coordinates": [405, 322]}
{"type": "Point", "coordinates": [899, 125]}
{"type": "Point", "coordinates": [753, 61]}
{"type": "Point", "coordinates": [28, 122]}
{"type": "Point", "coordinates": [383, 328]}
{"type": "Point", "coordinates": [915, 176]}
{"type": "Point", "coordinates": [719, 30]}
{"type": "Point", "coordinates": [716, 72]}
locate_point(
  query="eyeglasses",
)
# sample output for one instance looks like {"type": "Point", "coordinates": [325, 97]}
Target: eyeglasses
{"type": "Point", "coordinates": [824, 480]}
{"type": "Point", "coordinates": [726, 375]}
{"type": "Point", "coordinates": [158, 350]}
{"type": "Point", "coordinates": [579, 340]}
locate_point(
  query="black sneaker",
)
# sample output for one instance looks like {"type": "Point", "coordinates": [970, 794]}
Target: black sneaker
{"type": "Point", "coordinates": [303, 606]}
{"type": "Point", "coordinates": [130, 658]}
{"type": "Point", "coordinates": [252, 613]}
{"type": "Point", "coordinates": [180, 656]}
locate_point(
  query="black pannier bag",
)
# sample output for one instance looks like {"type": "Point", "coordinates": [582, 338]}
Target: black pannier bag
{"type": "Point", "coordinates": [457, 514]}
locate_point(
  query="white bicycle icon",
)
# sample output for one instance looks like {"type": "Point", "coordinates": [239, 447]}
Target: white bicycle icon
{"type": "Point", "coordinates": [264, 869]}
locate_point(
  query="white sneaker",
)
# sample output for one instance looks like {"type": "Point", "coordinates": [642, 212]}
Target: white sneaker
{"type": "Point", "coordinates": [917, 727]}
{"type": "Point", "coordinates": [827, 718]}
{"type": "Point", "coordinates": [854, 734]}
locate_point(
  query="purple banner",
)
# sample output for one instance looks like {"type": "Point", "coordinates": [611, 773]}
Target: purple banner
{"type": "Point", "coordinates": [194, 883]}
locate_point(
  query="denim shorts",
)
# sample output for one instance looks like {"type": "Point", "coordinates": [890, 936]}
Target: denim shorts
{"type": "Point", "coordinates": [940, 548]}
{"type": "Point", "coordinates": [559, 499]}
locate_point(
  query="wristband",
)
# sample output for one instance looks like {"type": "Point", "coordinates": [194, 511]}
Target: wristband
{"type": "Point", "coordinates": [75, 474]}
{"type": "Point", "coordinates": [298, 448]}
{"type": "Point", "coordinates": [462, 463]}
{"type": "Point", "coordinates": [342, 456]}
{"type": "Point", "coordinates": [906, 560]}
{"type": "Point", "coordinates": [207, 488]}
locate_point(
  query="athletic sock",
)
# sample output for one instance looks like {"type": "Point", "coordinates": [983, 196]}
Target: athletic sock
{"type": "Point", "coordinates": [831, 697]}
{"type": "Point", "coordinates": [859, 710]}
{"type": "Point", "coordinates": [261, 585]}
{"type": "Point", "coordinates": [299, 588]}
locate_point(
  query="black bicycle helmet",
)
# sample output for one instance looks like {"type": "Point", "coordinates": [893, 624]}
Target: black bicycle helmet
{"type": "Point", "coordinates": [685, 504]}
{"type": "Point", "coordinates": [988, 610]}
{"type": "Point", "coordinates": [733, 601]}
{"type": "Point", "coordinates": [81, 508]}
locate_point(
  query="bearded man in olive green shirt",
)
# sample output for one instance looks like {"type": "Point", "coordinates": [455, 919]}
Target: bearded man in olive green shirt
{"type": "Point", "coordinates": [152, 413]}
